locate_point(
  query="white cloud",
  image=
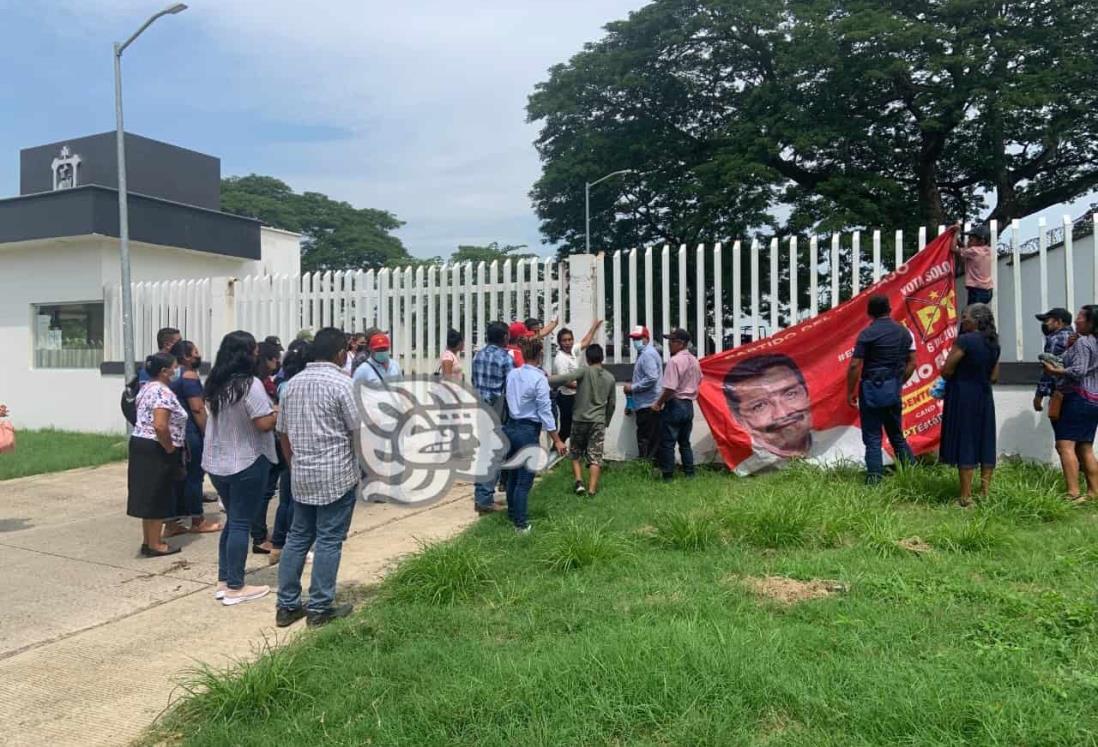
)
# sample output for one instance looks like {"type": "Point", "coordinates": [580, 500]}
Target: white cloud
{"type": "Point", "coordinates": [432, 94]}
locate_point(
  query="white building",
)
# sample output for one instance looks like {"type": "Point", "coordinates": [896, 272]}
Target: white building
{"type": "Point", "coordinates": [59, 249]}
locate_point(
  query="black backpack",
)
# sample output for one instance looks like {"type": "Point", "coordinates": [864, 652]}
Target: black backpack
{"type": "Point", "coordinates": [129, 400]}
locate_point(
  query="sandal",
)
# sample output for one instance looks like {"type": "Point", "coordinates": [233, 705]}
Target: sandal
{"type": "Point", "coordinates": [205, 527]}
{"type": "Point", "coordinates": [150, 552]}
{"type": "Point", "coordinates": [174, 529]}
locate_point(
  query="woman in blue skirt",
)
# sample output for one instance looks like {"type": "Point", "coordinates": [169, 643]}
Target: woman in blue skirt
{"type": "Point", "coordinates": [968, 414]}
{"type": "Point", "coordinates": [1078, 419]}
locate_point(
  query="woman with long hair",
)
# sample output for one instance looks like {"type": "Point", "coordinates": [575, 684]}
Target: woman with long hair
{"type": "Point", "coordinates": [1078, 419]}
{"type": "Point", "coordinates": [238, 455]}
{"type": "Point", "coordinates": [156, 455]}
{"type": "Point", "coordinates": [968, 415]}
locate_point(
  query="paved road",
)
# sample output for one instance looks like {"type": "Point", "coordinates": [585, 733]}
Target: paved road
{"type": "Point", "coordinates": [94, 638]}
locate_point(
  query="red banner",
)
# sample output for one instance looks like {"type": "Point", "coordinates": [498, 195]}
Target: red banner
{"type": "Point", "coordinates": [784, 397]}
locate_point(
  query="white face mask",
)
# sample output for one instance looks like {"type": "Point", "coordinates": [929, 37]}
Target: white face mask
{"type": "Point", "coordinates": [638, 345]}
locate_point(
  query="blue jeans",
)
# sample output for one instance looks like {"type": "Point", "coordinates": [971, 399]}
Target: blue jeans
{"type": "Point", "coordinates": [873, 420]}
{"type": "Point", "coordinates": [484, 492]}
{"type": "Point", "coordinates": [241, 493]}
{"type": "Point", "coordinates": [192, 484]}
{"type": "Point", "coordinates": [326, 526]}
{"type": "Point", "coordinates": [676, 425]}
{"type": "Point", "coordinates": [284, 516]}
{"type": "Point", "coordinates": [259, 521]}
{"type": "Point", "coordinates": [521, 433]}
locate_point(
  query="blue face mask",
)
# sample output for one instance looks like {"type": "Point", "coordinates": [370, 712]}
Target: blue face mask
{"type": "Point", "coordinates": [638, 345]}
{"type": "Point", "coordinates": [382, 357]}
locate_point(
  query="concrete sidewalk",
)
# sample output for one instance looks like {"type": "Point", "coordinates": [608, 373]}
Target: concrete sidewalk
{"type": "Point", "coordinates": [94, 637]}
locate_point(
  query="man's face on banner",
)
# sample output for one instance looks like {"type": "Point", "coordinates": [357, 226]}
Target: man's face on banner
{"type": "Point", "coordinates": [775, 408]}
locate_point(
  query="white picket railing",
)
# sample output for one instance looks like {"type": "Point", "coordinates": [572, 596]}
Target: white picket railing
{"type": "Point", "coordinates": [747, 291]}
{"type": "Point", "coordinates": [183, 304]}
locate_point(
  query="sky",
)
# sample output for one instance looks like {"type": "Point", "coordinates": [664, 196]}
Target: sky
{"type": "Point", "coordinates": [415, 107]}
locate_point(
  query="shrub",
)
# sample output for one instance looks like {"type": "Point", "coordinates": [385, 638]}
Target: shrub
{"type": "Point", "coordinates": [442, 573]}
{"type": "Point", "coordinates": [576, 544]}
{"type": "Point", "coordinates": [681, 531]}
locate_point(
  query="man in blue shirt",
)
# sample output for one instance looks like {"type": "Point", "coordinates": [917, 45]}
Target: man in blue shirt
{"type": "Point", "coordinates": [645, 390]}
{"type": "Point", "coordinates": [380, 366]}
{"type": "Point", "coordinates": [529, 412]}
{"type": "Point", "coordinates": [1056, 326]}
{"type": "Point", "coordinates": [489, 377]}
{"type": "Point", "coordinates": [884, 358]}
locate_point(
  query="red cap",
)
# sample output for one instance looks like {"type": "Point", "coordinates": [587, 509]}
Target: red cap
{"type": "Point", "coordinates": [518, 330]}
{"type": "Point", "coordinates": [639, 333]}
{"type": "Point", "coordinates": [379, 342]}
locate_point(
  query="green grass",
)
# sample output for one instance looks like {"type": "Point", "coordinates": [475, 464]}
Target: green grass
{"type": "Point", "coordinates": [38, 452]}
{"type": "Point", "coordinates": [625, 620]}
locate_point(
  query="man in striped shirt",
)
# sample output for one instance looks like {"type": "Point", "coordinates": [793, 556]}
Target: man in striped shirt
{"type": "Point", "coordinates": [317, 424]}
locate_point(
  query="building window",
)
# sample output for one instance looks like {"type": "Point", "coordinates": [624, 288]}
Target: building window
{"type": "Point", "coordinates": [68, 335]}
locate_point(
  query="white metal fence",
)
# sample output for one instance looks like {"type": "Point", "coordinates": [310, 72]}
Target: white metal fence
{"type": "Point", "coordinates": [417, 306]}
{"type": "Point", "coordinates": [725, 294]}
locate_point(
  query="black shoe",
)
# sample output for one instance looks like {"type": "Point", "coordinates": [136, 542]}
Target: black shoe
{"type": "Point", "coordinates": [316, 619]}
{"type": "Point", "coordinates": [579, 489]}
{"type": "Point", "coordinates": [284, 617]}
{"type": "Point", "coordinates": [260, 550]}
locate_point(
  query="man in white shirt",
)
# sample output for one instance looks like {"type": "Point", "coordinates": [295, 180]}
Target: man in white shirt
{"type": "Point", "coordinates": [565, 362]}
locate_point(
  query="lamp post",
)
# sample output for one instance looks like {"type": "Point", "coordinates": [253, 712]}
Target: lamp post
{"type": "Point", "coordinates": [123, 212]}
{"type": "Point", "coordinates": [587, 201]}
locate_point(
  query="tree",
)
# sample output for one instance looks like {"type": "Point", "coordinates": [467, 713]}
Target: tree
{"type": "Point", "coordinates": [834, 113]}
{"type": "Point", "coordinates": [490, 253]}
{"type": "Point", "coordinates": [336, 235]}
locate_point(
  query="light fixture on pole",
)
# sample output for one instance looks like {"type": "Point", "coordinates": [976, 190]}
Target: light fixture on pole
{"type": "Point", "coordinates": [587, 201]}
{"type": "Point", "coordinates": [123, 213]}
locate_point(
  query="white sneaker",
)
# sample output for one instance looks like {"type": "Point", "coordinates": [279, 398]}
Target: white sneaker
{"type": "Point", "coordinates": [221, 589]}
{"type": "Point", "coordinates": [524, 530]}
{"type": "Point", "coordinates": [245, 594]}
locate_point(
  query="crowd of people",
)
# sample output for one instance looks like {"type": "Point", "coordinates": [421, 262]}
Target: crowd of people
{"type": "Point", "coordinates": [269, 420]}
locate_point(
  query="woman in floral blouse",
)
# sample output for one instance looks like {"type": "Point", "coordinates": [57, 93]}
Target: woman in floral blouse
{"type": "Point", "coordinates": [156, 455]}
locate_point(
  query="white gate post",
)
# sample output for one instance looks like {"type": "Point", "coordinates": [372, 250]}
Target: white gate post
{"type": "Point", "coordinates": [582, 293]}
{"type": "Point", "coordinates": [222, 311]}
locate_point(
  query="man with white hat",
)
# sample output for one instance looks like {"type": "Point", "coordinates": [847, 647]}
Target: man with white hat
{"type": "Point", "coordinates": [645, 390]}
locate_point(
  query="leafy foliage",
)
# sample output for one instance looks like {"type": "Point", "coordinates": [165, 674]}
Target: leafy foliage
{"type": "Point", "coordinates": [843, 113]}
{"type": "Point", "coordinates": [337, 235]}
{"type": "Point", "coordinates": [489, 253]}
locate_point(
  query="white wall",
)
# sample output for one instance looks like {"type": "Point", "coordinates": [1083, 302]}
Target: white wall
{"type": "Point", "coordinates": [280, 251]}
{"type": "Point", "coordinates": [1022, 431]}
{"type": "Point", "coordinates": [76, 269]}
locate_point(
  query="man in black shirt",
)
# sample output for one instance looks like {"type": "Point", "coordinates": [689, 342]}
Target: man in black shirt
{"type": "Point", "coordinates": [884, 358]}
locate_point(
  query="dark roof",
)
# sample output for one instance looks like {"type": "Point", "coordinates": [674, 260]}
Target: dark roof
{"type": "Point", "coordinates": [92, 209]}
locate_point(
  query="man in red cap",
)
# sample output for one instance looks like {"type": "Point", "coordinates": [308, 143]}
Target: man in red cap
{"type": "Point", "coordinates": [380, 366]}
{"type": "Point", "coordinates": [517, 331]}
{"type": "Point", "coordinates": [645, 390]}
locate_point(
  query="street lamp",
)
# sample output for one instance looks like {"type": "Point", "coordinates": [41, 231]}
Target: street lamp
{"type": "Point", "coordinates": [587, 200]}
{"type": "Point", "coordinates": [123, 213]}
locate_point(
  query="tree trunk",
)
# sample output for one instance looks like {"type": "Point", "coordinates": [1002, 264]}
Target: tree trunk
{"type": "Point", "coordinates": [926, 171]}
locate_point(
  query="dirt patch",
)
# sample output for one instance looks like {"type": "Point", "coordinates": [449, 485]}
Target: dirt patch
{"type": "Point", "coordinates": [790, 590]}
{"type": "Point", "coordinates": [917, 545]}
